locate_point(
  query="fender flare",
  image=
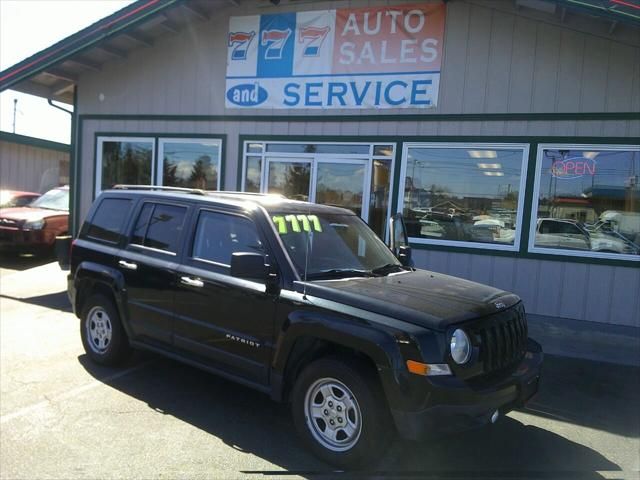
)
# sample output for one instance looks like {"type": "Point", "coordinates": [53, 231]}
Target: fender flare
{"type": "Point", "coordinates": [379, 345]}
{"type": "Point", "coordinates": [90, 274]}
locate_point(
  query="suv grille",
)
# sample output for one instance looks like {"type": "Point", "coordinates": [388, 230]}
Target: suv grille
{"type": "Point", "coordinates": [504, 339]}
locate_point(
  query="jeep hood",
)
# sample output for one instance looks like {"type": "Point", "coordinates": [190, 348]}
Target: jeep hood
{"type": "Point", "coordinates": [420, 297]}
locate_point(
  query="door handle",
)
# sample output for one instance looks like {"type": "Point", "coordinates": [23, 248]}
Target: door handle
{"type": "Point", "coordinates": [192, 282]}
{"type": "Point", "coordinates": [128, 265]}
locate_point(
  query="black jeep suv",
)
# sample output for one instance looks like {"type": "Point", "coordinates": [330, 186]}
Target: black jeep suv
{"type": "Point", "coordinates": [305, 303]}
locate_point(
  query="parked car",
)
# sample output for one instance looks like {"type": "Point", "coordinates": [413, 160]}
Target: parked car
{"type": "Point", "coordinates": [34, 227]}
{"type": "Point", "coordinates": [305, 303]}
{"type": "Point", "coordinates": [556, 233]}
{"type": "Point", "coordinates": [14, 198]}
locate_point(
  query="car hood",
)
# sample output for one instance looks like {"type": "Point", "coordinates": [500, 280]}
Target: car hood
{"type": "Point", "coordinates": [420, 297]}
{"type": "Point", "coordinates": [28, 214]}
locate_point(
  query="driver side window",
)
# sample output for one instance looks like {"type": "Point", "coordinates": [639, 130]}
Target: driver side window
{"type": "Point", "coordinates": [219, 235]}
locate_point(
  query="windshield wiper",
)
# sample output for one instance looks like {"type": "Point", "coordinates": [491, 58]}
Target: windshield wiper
{"type": "Point", "coordinates": [340, 272]}
{"type": "Point", "coordinates": [387, 269]}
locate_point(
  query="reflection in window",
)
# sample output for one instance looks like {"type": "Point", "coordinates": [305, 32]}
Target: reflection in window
{"type": "Point", "coordinates": [252, 178]}
{"type": "Point", "coordinates": [126, 162]}
{"type": "Point", "coordinates": [463, 194]}
{"type": "Point", "coordinates": [290, 179]}
{"type": "Point", "coordinates": [589, 199]}
{"type": "Point", "coordinates": [380, 188]}
{"type": "Point", "coordinates": [190, 164]}
{"type": "Point", "coordinates": [109, 220]}
{"type": "Point", "coordinates": [341, 184]}
{"type": "Point", "coordinates": [159, 226]}
{"type": "Point", "coordinates": [219, 236]}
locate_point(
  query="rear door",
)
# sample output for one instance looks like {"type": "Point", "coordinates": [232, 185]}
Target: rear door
{"type": "Point", "coordinates": [224, 321]}
{"type": "Point", "coordinates": [148, 264]}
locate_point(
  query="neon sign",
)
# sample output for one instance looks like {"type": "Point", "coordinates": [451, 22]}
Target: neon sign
{"type": "Point", "coordinates": [571, 168]}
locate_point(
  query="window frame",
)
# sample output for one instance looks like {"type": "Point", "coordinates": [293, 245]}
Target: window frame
{"type": "Point", "coordinates": [524, 146]}
{"type": "Point", "coordinates": [123, 234]}
{"type": "Point", "coordinates": [100, 140]}
{"type": "Point", "coordinates": [130, 245]}
{"type": "Point", "coordinates": [315, 158]}
{"type": "Point", "coordinates": [217, 141]}
{"type": "Point", "coordinates": [203, 262]}
{"type": "Point", "coordinates": [533, 222]}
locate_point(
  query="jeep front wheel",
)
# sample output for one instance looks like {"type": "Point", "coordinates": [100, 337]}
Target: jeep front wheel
{"type": "Point", "coordinates": [339, 411]}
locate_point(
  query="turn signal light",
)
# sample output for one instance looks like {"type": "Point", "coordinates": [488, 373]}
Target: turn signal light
{"type": "Point", "coordinates": [418, 368]}
{"type": "Point", "coordinates": [428, 369]}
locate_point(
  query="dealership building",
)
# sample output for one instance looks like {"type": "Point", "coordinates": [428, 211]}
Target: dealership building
{"type": "Point", "coordinates": [507, 132]}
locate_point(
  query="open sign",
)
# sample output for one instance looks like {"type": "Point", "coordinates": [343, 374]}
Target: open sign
{"type": "Point", "coordinates": [573, 168]}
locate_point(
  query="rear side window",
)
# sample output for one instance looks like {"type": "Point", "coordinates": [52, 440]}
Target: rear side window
{"type": "Point", "coordinates": [219, 235]}
{"type": "Point", "coordinates": [159, 226]}
{"type": "Point", "coordinates": [110, 219]}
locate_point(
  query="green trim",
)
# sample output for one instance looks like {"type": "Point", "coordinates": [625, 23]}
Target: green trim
{"type": "Point", "coordinates": [35, 142]}
{"type": "Point", "coordinates": [156, 137]}
{"type": "Point", "coordinates": [73, 160]}
{"type": "Point", "coordinates": [408, 117]}
{"type": "Point", "coordinates": [528, 197]}
{"type": "Point", "coordinates": [527, 255]}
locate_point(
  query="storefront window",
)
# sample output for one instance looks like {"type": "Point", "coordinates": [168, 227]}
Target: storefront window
{"type": "Point", "coordinates": [124, 161]}
{"type": "Point", "coordinates": [457, 194]}
{"type": "Point", "coordinates": [190, 163]}
{"type": "Point", "coordinates": [356, 176]}
{"type": "Point", "coordinates": [587, 201]}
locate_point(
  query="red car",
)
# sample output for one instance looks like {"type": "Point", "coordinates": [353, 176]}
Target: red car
{"type": "Point", "coordinates": [33, 228]}
{"type": "Point", "coordinates": [13, 198]}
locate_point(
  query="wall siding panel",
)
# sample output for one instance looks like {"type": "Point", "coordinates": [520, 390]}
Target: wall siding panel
{"type": "Point", "coordinates": [29, 168]}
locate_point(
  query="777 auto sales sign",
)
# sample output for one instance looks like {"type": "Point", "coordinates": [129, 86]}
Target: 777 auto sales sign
{"type": "Point", "coordinates": [368, 58]}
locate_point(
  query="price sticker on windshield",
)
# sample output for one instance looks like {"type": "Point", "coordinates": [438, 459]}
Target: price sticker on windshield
{"type": "Point", "coordinates": [297, 223]}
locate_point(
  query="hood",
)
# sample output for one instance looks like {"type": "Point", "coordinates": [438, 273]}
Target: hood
{"type": "Point", "coordinates": [28, 214]}
{"type": "Point", "coordinates": [420, 297]}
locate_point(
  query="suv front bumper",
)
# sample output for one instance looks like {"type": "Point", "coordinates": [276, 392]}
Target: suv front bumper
{"type": "Point", "coordinates": [461, 407]}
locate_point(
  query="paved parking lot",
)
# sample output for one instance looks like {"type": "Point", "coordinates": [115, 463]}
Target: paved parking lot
{"type": "Point", "coordinates": [62, 417]}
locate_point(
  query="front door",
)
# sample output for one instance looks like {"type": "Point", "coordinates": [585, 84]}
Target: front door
{"type": "Point", "coordinates": [342, 184]}
{"type": "Point", "coordinates": [323, 180]}
{"type": "Point", "coordinates": [224, 321]}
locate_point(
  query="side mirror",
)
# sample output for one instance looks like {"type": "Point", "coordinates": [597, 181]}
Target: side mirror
{"type": "Point", "coordinates": [397, 234]}
{"type": "Point", "coordinates": [249, 266]}
{"type": "Point", "coordinates": [404, 255]}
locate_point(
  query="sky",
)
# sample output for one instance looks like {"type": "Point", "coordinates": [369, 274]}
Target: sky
{"type": "Point", "coordinates": [26, 27]}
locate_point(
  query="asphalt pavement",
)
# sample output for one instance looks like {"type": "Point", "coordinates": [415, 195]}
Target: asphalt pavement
{"type": "Point", "coordinates": [63, 417]}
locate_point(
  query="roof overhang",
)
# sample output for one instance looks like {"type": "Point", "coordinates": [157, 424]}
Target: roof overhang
{"type": "Point", "coordinates": [52, 73]}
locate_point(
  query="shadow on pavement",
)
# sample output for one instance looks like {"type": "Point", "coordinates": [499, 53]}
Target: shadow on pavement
{"type": "Point", "coordinates": [249, 421]}
{"type": "Point", "coordinates": [21, 262]}
{"type": "Point", "coordinates": [593, 394]}
{"type": "Point", "coordinates": [56, 301]}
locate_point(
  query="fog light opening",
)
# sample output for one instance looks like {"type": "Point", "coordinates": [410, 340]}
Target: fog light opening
{"type": "Point", "coordinates": [494, 416]}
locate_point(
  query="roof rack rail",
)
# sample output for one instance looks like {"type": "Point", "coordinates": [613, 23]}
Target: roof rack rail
{"type": "Point", "coordinates": [194, 191]}
{"type": "Point", "coordinates": [248, 194]}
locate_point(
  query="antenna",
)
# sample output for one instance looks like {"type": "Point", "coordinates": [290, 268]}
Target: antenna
{"type": "Point", "coordinates": [15, 108]}
{"type": "Point", "coordinates": [309, 246]}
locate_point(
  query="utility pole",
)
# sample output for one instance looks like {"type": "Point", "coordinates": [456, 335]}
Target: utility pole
{"type": "Point", "coordinates": [15, 107]}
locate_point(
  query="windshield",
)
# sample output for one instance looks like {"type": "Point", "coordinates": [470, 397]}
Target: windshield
{"type": "Point", "coordinates": [339, 246]}
{"type": "Point", "coordinates": [56, 199]}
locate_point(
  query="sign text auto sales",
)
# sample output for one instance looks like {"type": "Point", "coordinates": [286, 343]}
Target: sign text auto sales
{"type": "Point", "coordinates": [387, 57]}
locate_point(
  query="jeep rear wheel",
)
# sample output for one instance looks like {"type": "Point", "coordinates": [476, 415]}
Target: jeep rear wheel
{"type": "Point", "coordinates": [340, 413]}
{"type": "Point", "coordinates": [103, 337]}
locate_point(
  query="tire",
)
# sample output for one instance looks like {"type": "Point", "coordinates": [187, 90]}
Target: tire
{"type": "Point", "coordinates": [103, 336]}
{"type": "Point", "coordinates": [347, 393]}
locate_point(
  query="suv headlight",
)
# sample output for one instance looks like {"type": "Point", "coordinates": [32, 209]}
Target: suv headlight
{"type": "Point", "coordinates": [34, 225]}
{"type": "Point", "coordinates": [460, 347]}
